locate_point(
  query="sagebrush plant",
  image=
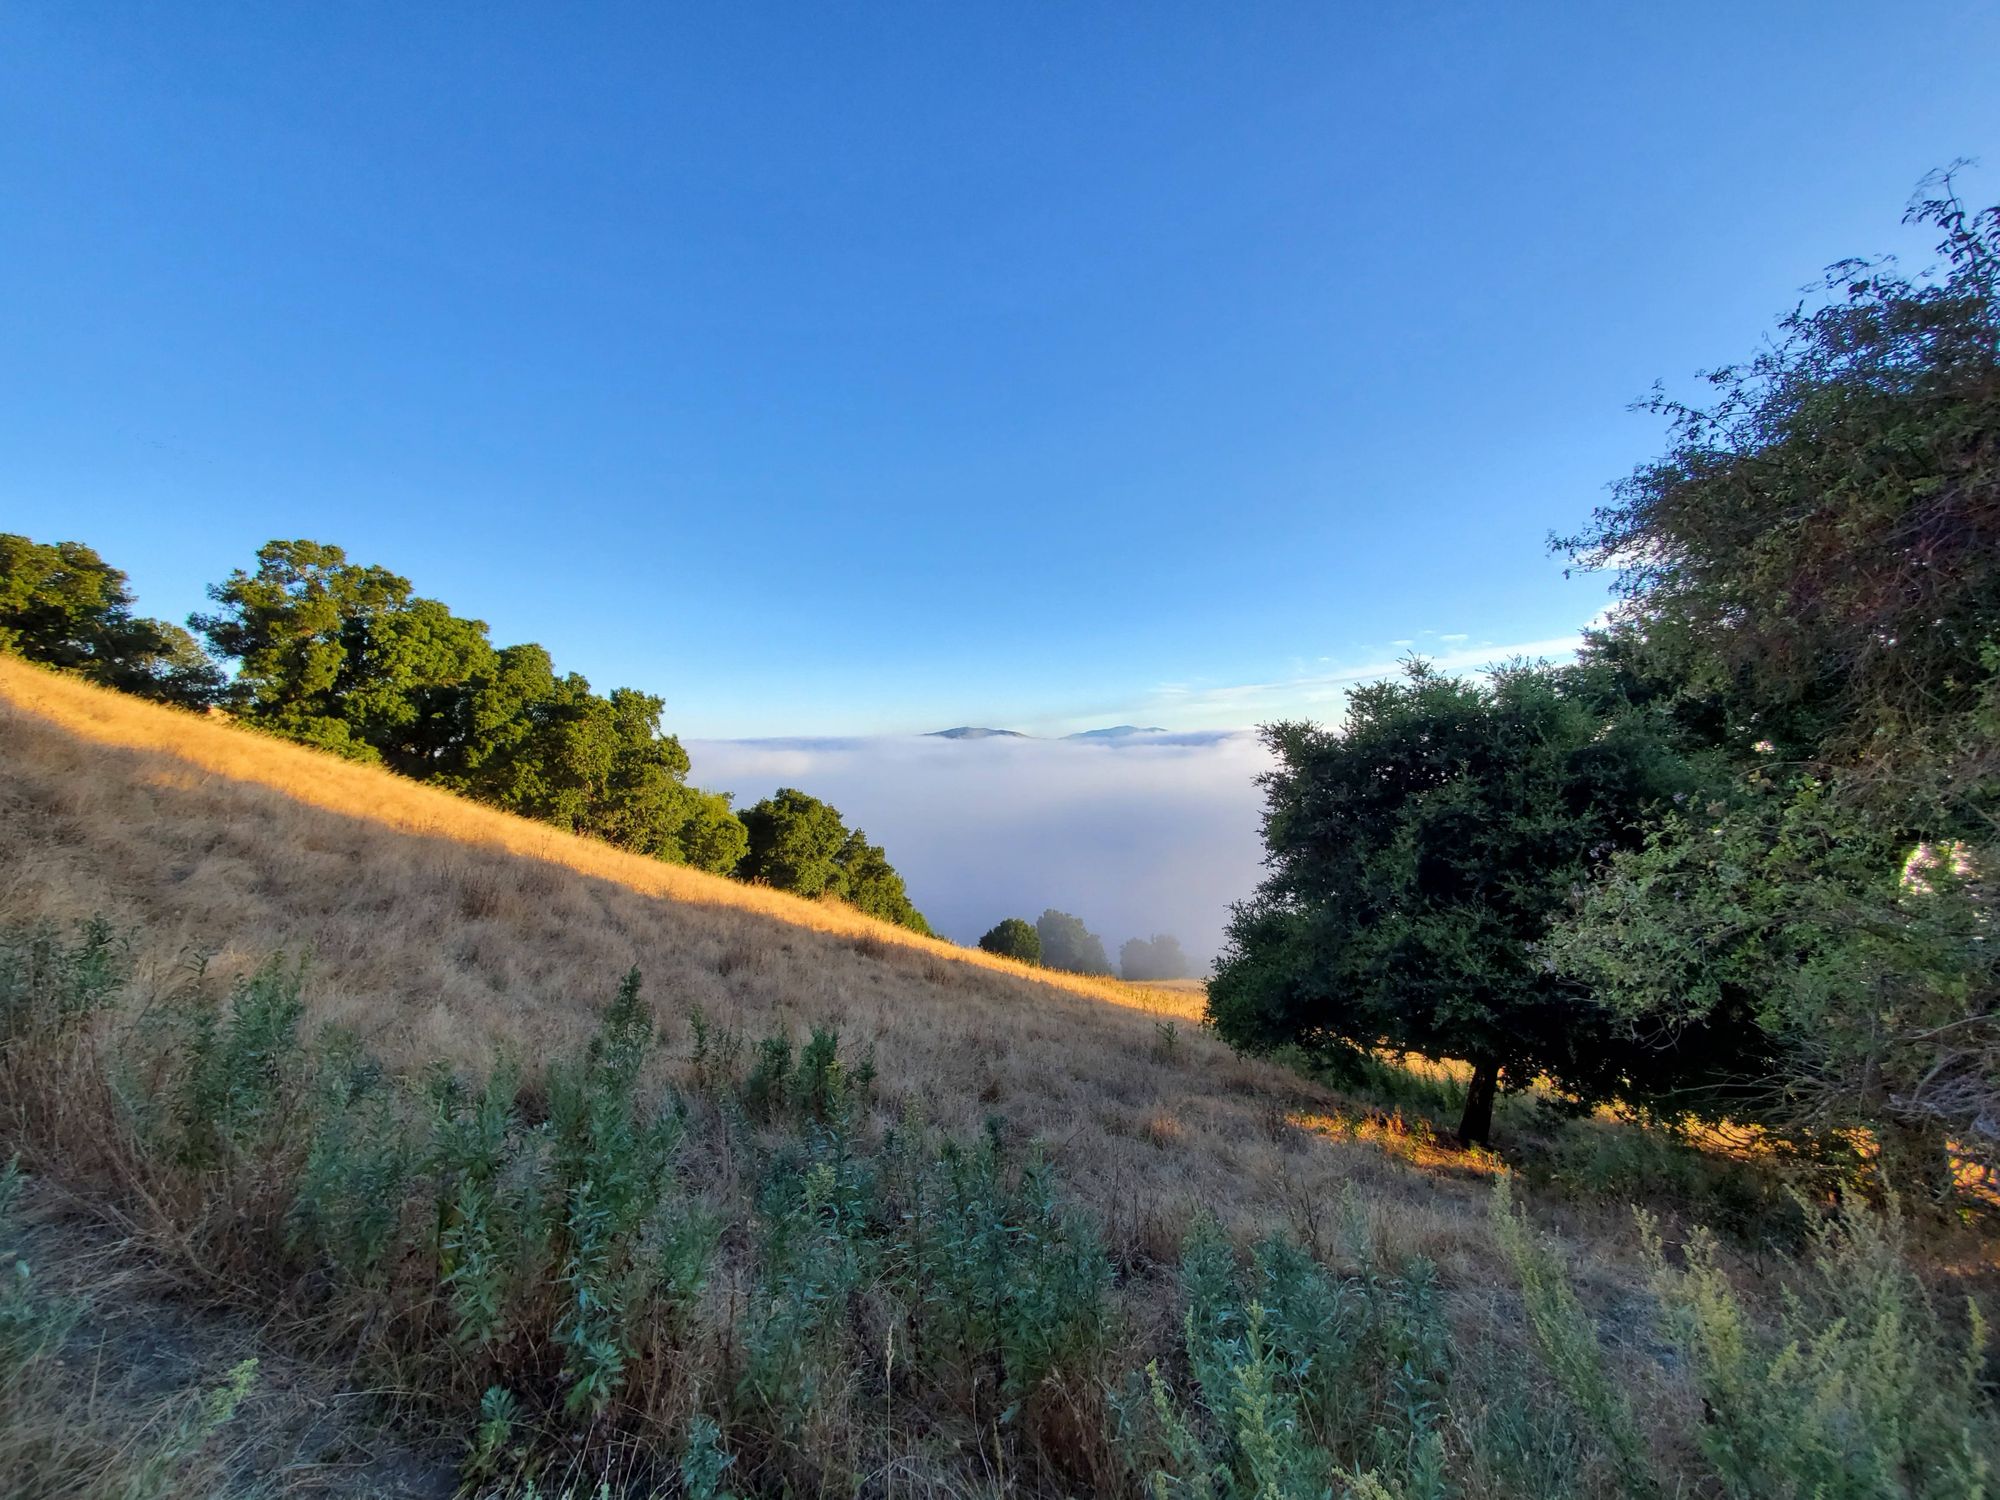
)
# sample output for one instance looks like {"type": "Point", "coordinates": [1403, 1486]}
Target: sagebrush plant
{"type": "Point", "coordinates": [1859, 1390]}
{"type": "Point", "coordinates": [1567, 1341]}
{"type": "Point", "coordinates": [1304, 1381]}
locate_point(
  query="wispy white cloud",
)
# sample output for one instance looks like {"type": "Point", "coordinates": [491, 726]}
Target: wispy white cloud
{"type": "Point", "coordinates": [1320, 694]}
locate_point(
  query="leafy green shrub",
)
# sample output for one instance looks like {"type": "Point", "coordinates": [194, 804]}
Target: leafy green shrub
{"type": "Point", "coordinates": [239, 1066]}
{"type": "Point", "coordinates": [1305, 1379]}
{"type": "Point", "coordinates": [1011, 1286]}
{"type": "Point", "coordinates": [1858, 1392]}
{"type": "Point", "coordinates": [48, 982]}
{"type": "Point", "coordinates": [764, 1091]}
{"type": "Point", "coordinates": [1567, 1341]}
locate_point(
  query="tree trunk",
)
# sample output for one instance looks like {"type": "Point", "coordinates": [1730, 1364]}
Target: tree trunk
{"type": "Point", "coordinates": [1475, 1126]}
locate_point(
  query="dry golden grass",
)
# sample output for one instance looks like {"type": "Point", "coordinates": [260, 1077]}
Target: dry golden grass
{"type": "Point", "coordinates": [438, 928]}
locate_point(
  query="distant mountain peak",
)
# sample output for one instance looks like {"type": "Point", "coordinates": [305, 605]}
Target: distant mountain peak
{"type": "Point", "coordinates": [975, 732]}
{"type": "Point", "coordinates": [1115, 732]}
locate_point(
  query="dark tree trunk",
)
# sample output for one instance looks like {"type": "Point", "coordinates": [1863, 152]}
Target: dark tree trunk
{"type": "Point", "coordinates": [1475, 1126]}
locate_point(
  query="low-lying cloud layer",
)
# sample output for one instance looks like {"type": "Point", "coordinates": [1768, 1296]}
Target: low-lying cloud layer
{"type": "Point", "coordinates": [1154, 833]}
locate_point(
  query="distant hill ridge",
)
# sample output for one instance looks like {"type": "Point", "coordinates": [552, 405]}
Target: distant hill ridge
{"type": "Point", "coordinates": [976, 732]}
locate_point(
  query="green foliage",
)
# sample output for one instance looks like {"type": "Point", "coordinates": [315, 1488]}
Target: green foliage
{"type": "Point", "coordinates": [1012, 1284]}
{"type": "Point", "coordinates": [1868, 959]}
{"type": "Point", "coordinates": [50, 983]}
{"type": "Point", "coordinates": [1566, 1340]}
{"type": "Point", "coordinates": [1816, 559]}
{"type": "Point", "coordinates": [64, 605]}
{"type": "Point", "coordinates": [795, 843]}
{"type": "Point", "coordinates": [1859, 1393]}
{"type": "Point", "coordinates": [1014, 938]}
{"type": "Point", "coordinates": [348, 658]}
{"type": "Point", "coordinates": [703, 1462]}
{"type": "Point", "coordinates": [1811, 584]}
{"type": "Point", "coordinates": [1158, 958]}
{"type": "Point", "coordinates": [534, 1258]}
{"type": "Point", "coordinates": [1067, 944]}
{"type": "Point", "coordinates": [239, 1066]}
{"type": "Point", "coordinates": [1305, 1380]}
{"type": "Point", "coordinates": [869, 883]}
{"type": "Point", "coordinates": [800, 844]}
{"type": "Point", "coordinates": [1418, 860]}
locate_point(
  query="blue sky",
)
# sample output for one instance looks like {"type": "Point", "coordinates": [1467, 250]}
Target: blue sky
{"type": "Point", "coordinates": [867, 369]}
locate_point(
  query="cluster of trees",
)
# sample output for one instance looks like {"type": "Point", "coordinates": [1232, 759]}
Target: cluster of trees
{"type": "Point", "coordinates": [349, 658]}
{"type": "Point", "coordinates": [64, 605]}
{"type": "Point", "coordinates": [799, 843]}
{"type": "Point", "coordinates": [1057, 940]}
{"type": "Point", "coordinates": [1742, 855]}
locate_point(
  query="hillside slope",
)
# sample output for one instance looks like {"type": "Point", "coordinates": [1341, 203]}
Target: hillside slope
{"type": "Point", "coordinates": [440, 929]}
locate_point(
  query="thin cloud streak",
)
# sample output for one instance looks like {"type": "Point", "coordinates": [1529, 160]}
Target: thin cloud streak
{"type": "Point", "coordinates": [1311, 695]}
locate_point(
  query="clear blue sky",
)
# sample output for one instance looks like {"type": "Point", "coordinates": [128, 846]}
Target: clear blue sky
{"type": "Point", "coordinates": [841, 369]}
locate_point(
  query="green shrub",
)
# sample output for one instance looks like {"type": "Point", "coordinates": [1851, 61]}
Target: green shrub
{"type": "Point", "coordinates": [1306, 1380]}
{"type": "Point", "coordinates": [48, 983]}
{"type": "Point", "coordinates": [239, 1066]}
{"type": "Point", "coordinates": [1566, 1340]}
{"type": "Point", "coordinates": [1858, 1392]}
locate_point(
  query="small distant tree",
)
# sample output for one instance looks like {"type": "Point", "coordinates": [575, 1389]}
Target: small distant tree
{"type": "Point", "coordinates": [1014, 938]}
{"type": "Point", "coordinates": [62, 604]}
{"type": "Point", "coordinates": [1068, 944]}
{"type": "Point", "coordinates": [1160, 958]}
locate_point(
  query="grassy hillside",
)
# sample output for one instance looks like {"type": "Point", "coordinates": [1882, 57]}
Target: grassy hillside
{"type": "Point", "coordinates": [437, 928]}
{"type": "Point", "coordinates": [881, 1288]}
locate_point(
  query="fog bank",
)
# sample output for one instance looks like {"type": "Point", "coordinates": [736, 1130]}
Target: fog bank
{"type": "Point", "coordinates": [1154, 833]}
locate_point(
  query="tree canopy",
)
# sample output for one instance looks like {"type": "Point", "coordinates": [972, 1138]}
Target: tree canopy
{"type": "Point", "coordinates": [62, 604]}
{"type": "Point", "coordinates": [1159, 957]}
{"type": "Point", "coordinates": [798, 843]}
{"type": "Point", "coordinates": [350, 658]}
{"type": "Point", "coordinates": [1811, 578]}
{"type": "Point", "coordinates": [1418, 858]}
{"type": "Point", "coordinates": [1819, 549]}
{"type": "Point", "coordinates": [1067, 944]}
{"type": "Point", "coordinates": [1014, 937]}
